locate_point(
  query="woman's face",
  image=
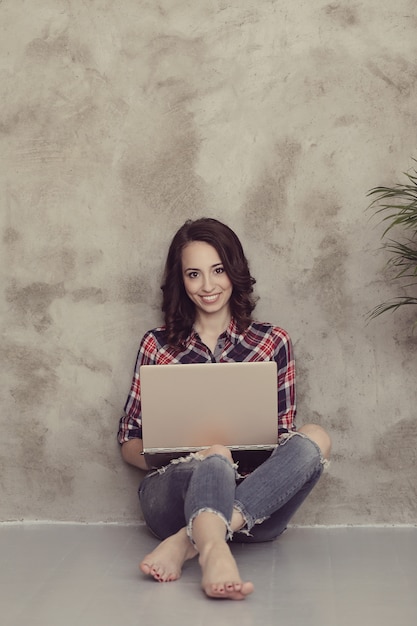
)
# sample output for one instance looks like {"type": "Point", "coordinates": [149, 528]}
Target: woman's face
{"type": "Point", "coordinates": [205, 280]}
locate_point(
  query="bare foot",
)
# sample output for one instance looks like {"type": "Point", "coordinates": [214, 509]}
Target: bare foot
{"type": "Point", "coordinates": [166, 561]}
{"type": "Point", "coordinates": [221, 578]}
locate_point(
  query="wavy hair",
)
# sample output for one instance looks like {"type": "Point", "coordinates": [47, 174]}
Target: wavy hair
{"type": "Point", "coordinates": [178, 309]}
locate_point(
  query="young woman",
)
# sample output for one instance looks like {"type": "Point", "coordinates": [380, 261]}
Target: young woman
{"type": "Point", "coordinates": [201, 504]}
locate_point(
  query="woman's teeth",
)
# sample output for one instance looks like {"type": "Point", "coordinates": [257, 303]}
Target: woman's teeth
{"type": "Point", "coordinates": [210, 298]}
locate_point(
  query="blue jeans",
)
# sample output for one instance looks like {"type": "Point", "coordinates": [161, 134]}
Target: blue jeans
{"type": "Point", "coordinates": [267, 498]}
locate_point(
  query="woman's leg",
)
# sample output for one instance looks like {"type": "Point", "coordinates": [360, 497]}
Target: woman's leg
{"type": "Point", "coordinates": [161, 496]}
{"type": "Point", "coordinates": [208, 508]}
{"type": "Point", "coordinates": [200, 494]}
{"type": "Point", "coordinates": [220, 574]}
{"type": "Point", "coordinates": [167, 491]}
{"type": "Point", "coordinates": [268, 498]}
{"type": "Point", "coordinates": [275, 525]}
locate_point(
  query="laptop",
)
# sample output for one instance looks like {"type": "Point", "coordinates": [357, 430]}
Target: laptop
{"type": "Point", "coordinates": [189, 407]}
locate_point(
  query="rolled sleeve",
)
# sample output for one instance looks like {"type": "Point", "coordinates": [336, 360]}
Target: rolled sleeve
{"type": "Point", "coordinates": [130, 424]}
{"type": "Point", "coordinates": [286, 383]}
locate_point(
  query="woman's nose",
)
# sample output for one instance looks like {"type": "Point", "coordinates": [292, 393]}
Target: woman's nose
{"type": "Point", "coordinates": [207, 284]}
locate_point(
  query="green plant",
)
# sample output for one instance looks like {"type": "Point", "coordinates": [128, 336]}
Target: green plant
{"type": "Point", "coordinates": [398, 204]}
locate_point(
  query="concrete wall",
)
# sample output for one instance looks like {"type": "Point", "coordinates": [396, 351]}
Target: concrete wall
{"type": "Point", "coordinates": [121, 119]}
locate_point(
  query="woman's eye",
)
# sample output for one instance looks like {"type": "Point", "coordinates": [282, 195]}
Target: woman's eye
{"type": "Point", "coordinates": [219, 270]}
{"type": "Point", "coordinates": [192, 274]}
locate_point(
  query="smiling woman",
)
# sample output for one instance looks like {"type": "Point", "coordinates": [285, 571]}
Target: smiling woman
{"type": "Point", "coordinates": [208, 286]}
{"type": "Point", "coordinates": [199, 503]}
{"type": "Point", "coordinates": [179, 309]}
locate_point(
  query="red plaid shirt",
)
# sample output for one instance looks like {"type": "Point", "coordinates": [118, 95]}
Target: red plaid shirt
{"type": "Point", "coordinates": [259, 342]}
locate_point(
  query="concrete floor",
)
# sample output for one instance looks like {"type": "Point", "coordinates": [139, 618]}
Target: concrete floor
{"type": "Point", "coordinates": [87, 575]}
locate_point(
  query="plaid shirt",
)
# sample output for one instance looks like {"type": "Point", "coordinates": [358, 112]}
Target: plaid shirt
{"type": "Point", "coordinates": [259, 342]}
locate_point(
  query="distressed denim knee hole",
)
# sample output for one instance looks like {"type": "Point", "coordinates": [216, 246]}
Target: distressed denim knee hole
{"type": "Point", "coordinates": [228, 530]}
{"type": "Point", "coordinates": [288, 436]}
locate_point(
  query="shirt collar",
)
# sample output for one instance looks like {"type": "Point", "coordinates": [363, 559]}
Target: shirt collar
{"type": "Point", "coordinates": [231, 332]}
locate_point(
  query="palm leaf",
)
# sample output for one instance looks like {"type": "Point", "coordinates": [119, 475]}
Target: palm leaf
{"type": "Point", "coordinates": [391, 305]}
{"type": "Point", "coordinates": [397, 206]}
{"type": "Point", "coordinates": [402, 212]}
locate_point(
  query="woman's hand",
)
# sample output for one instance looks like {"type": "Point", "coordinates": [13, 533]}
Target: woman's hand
{"type": "Point", "coordinates": [132, 454]}
{"type": "Point", "coordinates": [216, 449]}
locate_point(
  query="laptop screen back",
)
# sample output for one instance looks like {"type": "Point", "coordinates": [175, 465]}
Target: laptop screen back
{"type": "Point", "coordinates": [191, 406]}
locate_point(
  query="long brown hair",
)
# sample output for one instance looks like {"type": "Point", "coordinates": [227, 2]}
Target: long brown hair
{"type": "Point", "coordinates": [178, 309]}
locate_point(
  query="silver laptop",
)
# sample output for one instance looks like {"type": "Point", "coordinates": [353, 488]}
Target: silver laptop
{"type": "Point", "coordinates": [189, 407]}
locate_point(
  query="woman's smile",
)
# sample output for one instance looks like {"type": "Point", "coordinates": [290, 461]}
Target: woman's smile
{"type": "Point", "coordinates": [205, 280]}
{"type": "Point", "coordinates": [210, 299]}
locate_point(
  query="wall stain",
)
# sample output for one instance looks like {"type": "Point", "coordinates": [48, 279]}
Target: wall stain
{"type": "Point", "coordinates": [26, 116]}
{"type": "Point", "coordinates": [32, 449]}
{"type": "Point", "coordinates": [397, 73]}
{"type": "Point", "coordinates": [166, 180]}
{"type": "Point", "coordinates": [265, 207]}
{"type": "Point", "coordinates": [164, 176]}
{"type": "Point", "coordinates": [100, 446]}
{"type": "Point", "coordinates": [57, 482]}
{"type": "Point", "coordinates": [406, 337]}
{"type": "Point", "coordinates": [94, 365]}
{"type": "Point", "coordinates": [396, 449]}
{"type": "Point", "coordinates": [33, 383]}
{"type": "Point", "coordinates": [166, 52]}
{"type": "Point", "coordinates": [43, 49]}
{"type": "Point", "coordinates": [33, 301]}
{"type": "Point", "coordinates": [340, 422]}
{"type": "Point", "coordinates": [34, 373]}
{"type": "Point", "coordinates": [319, 209]}
{"type": "Point", "coordinates": [90, 293]}
{"type": "Point", "coordinates": [325, 282]}
{"type": "Point", "coordinates": [345, 120]}
{"type": "Point", "coordinates": [64, 260]}
{"type": "Point", "coordinates": [327, 279]}
{"type": "Point", "coordinates": [46, 481]}
{"type": "Point", "coordinates": [345, 15]}
{"type": "Point", "coordinates": [134, 289]}
{"type": "Point", "coordinates": [10, 236]}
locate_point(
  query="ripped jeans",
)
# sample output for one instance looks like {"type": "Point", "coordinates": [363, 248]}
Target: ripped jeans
{"type": "Point", "coordinates": [267, 498]}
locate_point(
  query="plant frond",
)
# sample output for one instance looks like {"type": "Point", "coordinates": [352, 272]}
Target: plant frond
{"type": "Point", "coordinates": [397, 207]}
{"type": "Point", "coordinates": [404, 217]}
{"type": "Point", "coordinates": [403, 250]}
{"type": "Point", "coordinates": [391, 305]}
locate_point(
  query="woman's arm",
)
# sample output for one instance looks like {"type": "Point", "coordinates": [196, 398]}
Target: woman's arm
{"type": "Point", "coordinates": [130, 424]}
{"type": "Point", "coordinates": [286, 380]}
{"type": "Point", "coordinates": [132, 454]}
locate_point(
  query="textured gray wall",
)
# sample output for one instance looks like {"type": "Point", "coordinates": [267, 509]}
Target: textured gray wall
{"type": "Point", "coordinates": [121, 119]}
